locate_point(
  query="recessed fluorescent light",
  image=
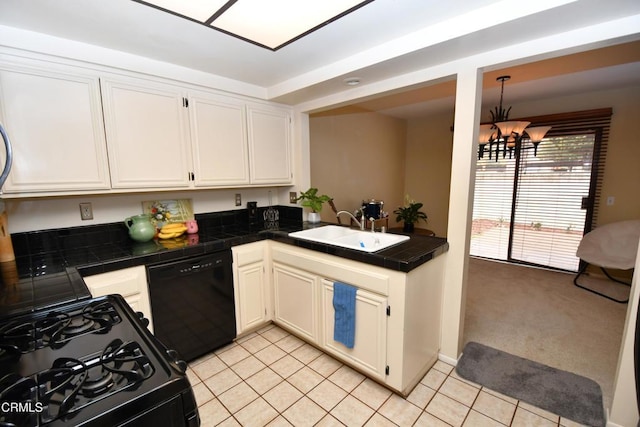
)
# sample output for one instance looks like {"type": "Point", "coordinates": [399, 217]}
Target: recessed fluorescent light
{"type": "Point", "coordinates": [271, 24]}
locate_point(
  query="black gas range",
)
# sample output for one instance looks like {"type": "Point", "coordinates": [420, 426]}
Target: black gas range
{"type": "Point", "coordinates": [91, 362]}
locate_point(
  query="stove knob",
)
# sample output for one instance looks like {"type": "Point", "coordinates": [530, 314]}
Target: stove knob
{"type": "Point", "coordinates": [181, 364]}
{"type": "Point", "coordinates": [143, 319]}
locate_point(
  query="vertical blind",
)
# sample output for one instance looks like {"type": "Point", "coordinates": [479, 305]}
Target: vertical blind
{"type": "Point", "coordinates": [544, 221]}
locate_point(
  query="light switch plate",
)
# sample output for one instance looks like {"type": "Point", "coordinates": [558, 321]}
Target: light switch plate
{"type": "Point", "coordinates": [86, 211]}
{"type": "Point", "coordinates": [238, 199]}
{"type": "Point", "coordinates": [293, 197]}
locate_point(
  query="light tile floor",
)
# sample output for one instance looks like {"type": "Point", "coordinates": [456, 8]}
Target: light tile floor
{"type": "Point", "coordinates": [271, 377]}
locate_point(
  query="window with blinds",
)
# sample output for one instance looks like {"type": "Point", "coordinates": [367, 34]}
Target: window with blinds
{"type": "Point", "coordinates": [536, 209]}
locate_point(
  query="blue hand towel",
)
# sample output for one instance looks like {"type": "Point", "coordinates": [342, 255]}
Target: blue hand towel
{"type": "Point", "coordinates": [344, 305]}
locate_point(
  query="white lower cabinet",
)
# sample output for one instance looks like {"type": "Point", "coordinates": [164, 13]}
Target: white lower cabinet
{"type": "Point", "coordinates": [131, 283]}
{"type": "Point", "coordinates": [397, 331]}
{"type": "Point", "coordinates": [369, 352]}
{"type": "Point", "coordinates": [397, 315]}
{"type": "Point", "coordinates": [296, 301]}
{"type": "Point", "coordinates": [251, 287]}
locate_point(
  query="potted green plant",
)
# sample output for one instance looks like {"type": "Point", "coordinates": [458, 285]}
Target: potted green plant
{"type": "Point", "coordinates": [310, 199]}
{"type": "Point", "coordinates": [410, 213]}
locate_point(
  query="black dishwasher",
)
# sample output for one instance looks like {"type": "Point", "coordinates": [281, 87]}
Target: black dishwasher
{"type": "Point", "coordinates": [192, 303]}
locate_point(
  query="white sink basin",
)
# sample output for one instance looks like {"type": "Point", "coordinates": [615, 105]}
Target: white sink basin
{"type": "Point", "coordinates": [364, 241]}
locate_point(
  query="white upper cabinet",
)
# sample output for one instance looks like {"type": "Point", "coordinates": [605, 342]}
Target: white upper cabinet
{"type": "Point", "coordinates": [54, 121]}
{"type": "Point", "coordinates": [269, 144]}
{"type": "Point", "coordinates": [219, 140]}
{"type": "Point", "coordinates": [81, 131]}
{"type": "Point", "coordinates": [147, 134]}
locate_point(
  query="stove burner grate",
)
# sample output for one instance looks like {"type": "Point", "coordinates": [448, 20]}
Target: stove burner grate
{"type": "Point", "coordinates": [55, 329]}
{"type": "Point", "coordinates": [13, 389]}
{"type": "Point", "coordinates": [97, 318]}
{"type": "Point", "coordinates": [71, 384]}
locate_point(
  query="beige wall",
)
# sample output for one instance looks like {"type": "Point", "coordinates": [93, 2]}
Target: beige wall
{"type": "Point", "coordinates": [356, 156]}
{"type": "Point", "coordinates": [428, 167]}
{"type": "Point", "coordinates": [622, 169]}
{"type": "Point", "coordinates": [353, 143]}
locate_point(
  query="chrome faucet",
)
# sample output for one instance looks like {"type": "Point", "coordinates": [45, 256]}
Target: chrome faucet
{"type": "Point", "coordinates": [373, 224]}
{"type": "Point", "coordinates": [360, 224]}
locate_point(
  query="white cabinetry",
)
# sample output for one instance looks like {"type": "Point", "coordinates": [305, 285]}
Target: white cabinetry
{"type": "Point", "coordinates": [131, 283]}
{"type": "Point", "coordinates": [251, 287]}
{"type": "Point", "coordinates": [161, 136]}
{"type": "Point", "coordinates": [397, 336]}
{"type": "Point", "coordinates": [295, 301]}
{"type": "Point", "coordinates": [147, 134]}
{"type": "Point", "coordinates": [369, 352]}
{"type": "Point", "coordinates": [219, 138]}
{"type": "Point", "coordinates": [54, 121]}
{"type": "Point", "coordinates": [269, 145]}
{"type": "Point", "coordinates": [81, 131]}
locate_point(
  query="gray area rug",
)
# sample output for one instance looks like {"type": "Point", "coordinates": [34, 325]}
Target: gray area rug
{"type": "Point", "coordinates": [569, 395]}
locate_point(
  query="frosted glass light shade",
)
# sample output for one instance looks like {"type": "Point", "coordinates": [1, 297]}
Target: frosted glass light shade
{"type": "Point", "coordinates": [507, 128]}
{"type": "Point", "coordinates": [520, 126]}
{"type": "Point", "coordinates": [486, 133]}
{"type": "Point", "coordinates": [537, 133]}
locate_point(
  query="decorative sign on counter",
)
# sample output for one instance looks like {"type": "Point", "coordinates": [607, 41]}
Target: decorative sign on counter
{"type": "Point", "coordinates": [168, 211]}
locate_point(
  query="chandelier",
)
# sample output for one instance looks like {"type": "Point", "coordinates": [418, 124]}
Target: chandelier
{"type": "Point", "coordinates": [504, 136]}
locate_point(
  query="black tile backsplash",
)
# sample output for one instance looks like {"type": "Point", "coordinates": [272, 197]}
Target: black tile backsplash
{"type": "Point", "coordinates": [51, 251]}
{"type": "Point", "coordinates": [101, 248]}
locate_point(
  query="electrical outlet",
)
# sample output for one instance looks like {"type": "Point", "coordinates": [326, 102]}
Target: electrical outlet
{"type": "Point", "coordinates": [293, 197]}
{"type": "Point", "coordinates": [611, 200]}
{"type": "Point", "coordinates": [238, 199]}
{"type": "Point", "coordinates": [86, 211]}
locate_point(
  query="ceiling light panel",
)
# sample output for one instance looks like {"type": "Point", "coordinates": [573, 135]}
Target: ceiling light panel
{"type": "Point", "coordinates": [274, 23]}
{"type": "Point", "coordinates": [199, 10]}
{"type": "Point", "coordinates": [271, 24]}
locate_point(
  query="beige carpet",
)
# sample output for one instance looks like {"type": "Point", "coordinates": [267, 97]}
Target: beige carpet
{"type": "Point", "coordinates": [540, 315]}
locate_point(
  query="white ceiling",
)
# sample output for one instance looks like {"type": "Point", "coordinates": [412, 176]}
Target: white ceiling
{"type": "Point", "coordinates": [380, 40]}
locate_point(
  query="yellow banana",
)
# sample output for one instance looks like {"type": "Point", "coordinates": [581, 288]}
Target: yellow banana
{"type": "Point", "coordinates": [173, 226]}
{"type": "Point", "coordinates": [162, 235]}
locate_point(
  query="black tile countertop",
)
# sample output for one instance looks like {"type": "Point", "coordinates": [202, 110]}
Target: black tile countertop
{"type": "Point", "coordinates": [45, 259]}
{"type": "Point", "coordinates": [402, 257]}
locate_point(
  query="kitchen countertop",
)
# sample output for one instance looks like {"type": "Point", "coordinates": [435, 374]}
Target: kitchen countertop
{"type": "Point", "coordinates": [44, 265]}
{"type": "Point", "coordinates": [403, 257]}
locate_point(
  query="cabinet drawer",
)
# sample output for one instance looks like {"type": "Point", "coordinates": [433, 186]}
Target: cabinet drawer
{"type": "Point", "coordinates": [131, 283]}
{"type": "Point", "coordinates": [124, 282]}
{"type": "Point", "coordinates": [249, 253]}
